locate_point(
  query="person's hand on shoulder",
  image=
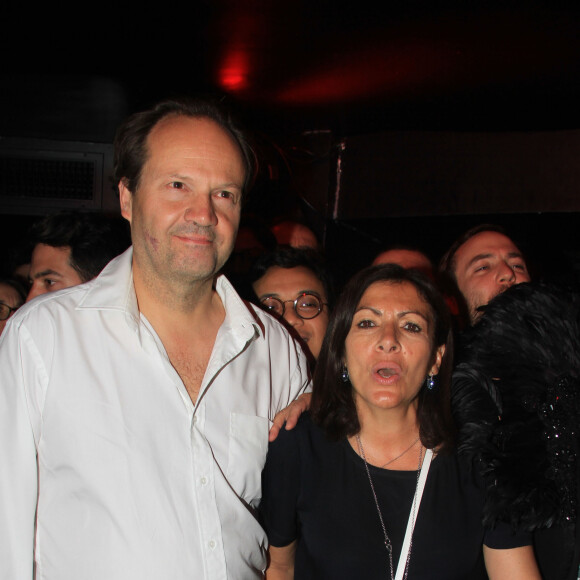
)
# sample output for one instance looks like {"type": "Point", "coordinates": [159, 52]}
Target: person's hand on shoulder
{"type": "Point", "coordinates": [290, 415]}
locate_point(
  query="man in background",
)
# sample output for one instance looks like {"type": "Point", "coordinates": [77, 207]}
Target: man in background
{"type": "Point", "coordinates": [70, 248]}
{"type": "Point", "coordinates": [480, 264]}
{"type": "Point", "coordinates": [408, 258]}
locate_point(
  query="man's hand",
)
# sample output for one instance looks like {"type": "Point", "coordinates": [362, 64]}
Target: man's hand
{"type": "Point", "coordinates": [290, 415]}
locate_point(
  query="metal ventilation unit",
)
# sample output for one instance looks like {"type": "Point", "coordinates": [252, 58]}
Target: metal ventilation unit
{"type": "Point", "coordinates": [40, 176]}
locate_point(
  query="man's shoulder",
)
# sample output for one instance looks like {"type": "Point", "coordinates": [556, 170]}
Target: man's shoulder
{"type": "Point", "coordinates": [102, 291]}
{"type": "Point", "coordinates": [51, 304]}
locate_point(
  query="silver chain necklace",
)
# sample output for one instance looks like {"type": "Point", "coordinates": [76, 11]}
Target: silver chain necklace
{"type": "Point", "coordinates": [388, 544]}
{"type": "Point", "coordinates": [401, 455]}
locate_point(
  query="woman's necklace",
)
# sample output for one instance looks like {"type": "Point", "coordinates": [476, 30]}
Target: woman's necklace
{"type": "Point", "coordinates": [388, 544]}
{"type": "Point", "coordinates": [401, 455]}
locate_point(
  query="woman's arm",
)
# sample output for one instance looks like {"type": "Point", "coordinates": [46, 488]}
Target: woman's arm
{"type": "Point", "coordinates": [511, 564]}
{"type": "Point", "coordinates": [281, 566]}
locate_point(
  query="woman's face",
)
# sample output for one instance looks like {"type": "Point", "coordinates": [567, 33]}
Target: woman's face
{"type": "Point", "coordinates": [389, 348]}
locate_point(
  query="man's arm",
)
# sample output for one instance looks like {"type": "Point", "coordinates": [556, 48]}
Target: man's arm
{"type": "Point", "coordinates": [18, 474]}
{"type": "Point", "coordinates": [290, 415]}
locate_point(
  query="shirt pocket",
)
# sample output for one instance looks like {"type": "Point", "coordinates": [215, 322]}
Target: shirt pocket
{"type": "Point", "coordinates": [248, 446]}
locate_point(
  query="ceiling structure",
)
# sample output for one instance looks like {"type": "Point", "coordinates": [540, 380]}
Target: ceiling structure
{"type": "Point", "coordinates": [350, 69]}
{"type": "Point", "coordinates": [347, 66]}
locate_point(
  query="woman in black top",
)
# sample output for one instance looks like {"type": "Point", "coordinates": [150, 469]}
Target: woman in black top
{"type": "Point", "coordinates": [342, 491]}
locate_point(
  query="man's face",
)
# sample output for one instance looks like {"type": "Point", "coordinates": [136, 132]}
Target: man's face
{"type": "Point", "coordinates": [186, 211]}
{"type": "Point", "coordinates": [50, 270]}
{"type": "Point", "coordinates": [486, 265]}
{"type": "Point", "coordinates": [287, 284]}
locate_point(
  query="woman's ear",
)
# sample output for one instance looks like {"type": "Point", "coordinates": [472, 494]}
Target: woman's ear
{"type": "Point", "coordinates": [438, 358]}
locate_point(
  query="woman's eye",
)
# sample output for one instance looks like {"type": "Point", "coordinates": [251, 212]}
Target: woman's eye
{"type": "Point", "coordinates": [365, 324]}
{"type": "Point", "coordinates": [177, 185]}
{"type": "Point", "coordinates": [412, 327]}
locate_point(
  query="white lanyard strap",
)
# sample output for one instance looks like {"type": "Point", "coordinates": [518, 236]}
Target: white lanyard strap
{"type": "Point", "coordinates": [413, 515]}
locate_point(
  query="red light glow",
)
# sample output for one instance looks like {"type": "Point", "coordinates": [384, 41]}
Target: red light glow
{"type": "Point", "coordinates": [233, 73]}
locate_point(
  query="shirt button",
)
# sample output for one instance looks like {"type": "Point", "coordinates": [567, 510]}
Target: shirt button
{"type": "Point", "coordinates": [211, 544]}
{"type": "Point", "coordinates": [203, 480]}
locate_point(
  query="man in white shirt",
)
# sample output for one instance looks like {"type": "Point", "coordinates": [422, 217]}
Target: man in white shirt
{"type": "Point", "coordinates": [134, 409]}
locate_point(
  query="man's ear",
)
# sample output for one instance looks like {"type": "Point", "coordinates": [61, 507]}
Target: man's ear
{"type": "Point", "coordinates": [126, 201]}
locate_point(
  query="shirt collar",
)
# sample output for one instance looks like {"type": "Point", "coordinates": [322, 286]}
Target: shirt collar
{"type": "Point", "coordinates": [113, 290]}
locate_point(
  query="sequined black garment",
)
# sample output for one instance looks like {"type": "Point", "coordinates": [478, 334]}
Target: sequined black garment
{"type": "Point", "coordinates": [516, 399]}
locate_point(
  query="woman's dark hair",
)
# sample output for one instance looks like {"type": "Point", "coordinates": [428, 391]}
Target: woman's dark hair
{"type": "Point", "coordinates": [333, 406]}
{"type": "Point", "coordinates": [130, 143]}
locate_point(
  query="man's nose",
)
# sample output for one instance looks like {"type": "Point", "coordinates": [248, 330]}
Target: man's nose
{"type": "Point", "coordinates": [506, 275]}
{"type": "Point", "coordinates": [35, 290]}
{"type": "Point", "coordinates": [291, 317]}
{"type": "Point", "coordinates": [200, 210]}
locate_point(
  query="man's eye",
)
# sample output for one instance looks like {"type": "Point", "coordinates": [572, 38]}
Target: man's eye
{"type": "Point", "coordinates": [49, 282]}
{"type": "Point", "coordinates": [481, 268]}
{"type": "Point", "coordinates": [518, 267]}
{"type": "Point", "coordinates": [225, 194]}
{"type": "Point", "coordinates": [177, 185]}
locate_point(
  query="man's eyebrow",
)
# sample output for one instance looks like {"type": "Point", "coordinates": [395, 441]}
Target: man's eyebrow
{"type": "Point", "coordinates": [225, 185]}
{"type": "Point", "coordinates": [45, 273]}
{"type": "Point", "coordinates": [491, 255]}
{"type": "Point", "coordinates": [299, 293]}
{"type": "Point", "coordinates": [478, 257]}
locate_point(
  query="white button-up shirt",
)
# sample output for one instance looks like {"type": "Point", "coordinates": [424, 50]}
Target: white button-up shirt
{"type": "Point", "coordinates": [108, 470]}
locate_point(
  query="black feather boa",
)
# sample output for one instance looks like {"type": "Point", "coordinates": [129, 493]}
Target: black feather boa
{"type": "Point", "coordinates": [515, 398]}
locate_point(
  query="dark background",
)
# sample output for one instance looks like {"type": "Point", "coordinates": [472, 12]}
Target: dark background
{"type": "Point", "coordinates": [374, 92]}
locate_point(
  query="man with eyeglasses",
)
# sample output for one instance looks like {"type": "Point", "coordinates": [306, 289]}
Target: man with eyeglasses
{"type": "Point", "coordinates": [293, 285]}
{"type": "Point", "coordinates": [11, 299]}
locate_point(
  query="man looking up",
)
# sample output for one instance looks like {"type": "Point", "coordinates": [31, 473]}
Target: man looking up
{"type": "Point", "coordinates": [481, 264]}
{"type": "Point", "coordinates": [71, 248]}
{"type": "Point", "coordinates": [134, 409]}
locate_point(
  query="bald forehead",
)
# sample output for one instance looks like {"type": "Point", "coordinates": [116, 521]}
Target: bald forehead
{"type": "Point", "coordinates": [197, 139]}
{"type": "Point", "coordinates": [405, 258]}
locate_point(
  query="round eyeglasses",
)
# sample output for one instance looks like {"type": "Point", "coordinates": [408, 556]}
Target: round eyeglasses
{"type": "Point", "coordinates": [306, 306]}
{"type": "Point", "coordinates": [6, 311]}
